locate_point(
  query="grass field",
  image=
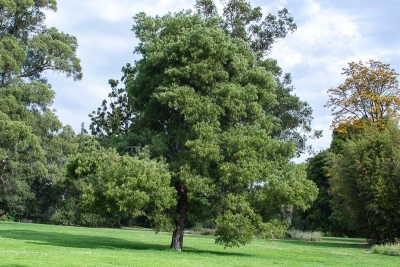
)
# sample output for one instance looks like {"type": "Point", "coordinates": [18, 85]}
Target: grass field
{"type": "Point", "coordinates": [47, 245]}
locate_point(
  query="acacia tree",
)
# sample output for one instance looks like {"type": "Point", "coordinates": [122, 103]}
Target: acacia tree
{"type": "Point", "coordinates": [202, 102]}
{"type": "Point", "coordinates": [370, 92]}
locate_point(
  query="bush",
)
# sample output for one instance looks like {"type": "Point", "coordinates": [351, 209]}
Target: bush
{"type": "Point", "coordinates": [387, 249]}
{"type": "Point", "coordinates": [199, 230]}
{"type": "Point", "coordinates": [275, 228]}
{"type": "Point", "coordinates": [304, 235]}
{"type": "Point", "coordinates": [7, 218]}
{"type": "Point", "coordinates": [69, 214]}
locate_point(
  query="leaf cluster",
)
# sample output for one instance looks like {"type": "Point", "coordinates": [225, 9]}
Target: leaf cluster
{"type": "Point", "coordinates": [28, 47]}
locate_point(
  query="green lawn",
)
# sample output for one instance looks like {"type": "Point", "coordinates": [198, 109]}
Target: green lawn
{"type": "Point", "coordinates": [47, 245]}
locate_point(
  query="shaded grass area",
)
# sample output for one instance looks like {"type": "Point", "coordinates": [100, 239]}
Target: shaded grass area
{"type": "Point", "coordinates": [47, 245]}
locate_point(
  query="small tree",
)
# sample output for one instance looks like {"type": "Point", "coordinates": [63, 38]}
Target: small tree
{"type": "Point", "coordinates": [107, 184]}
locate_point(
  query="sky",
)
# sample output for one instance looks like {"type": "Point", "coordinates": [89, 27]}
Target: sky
{"type": "Point", "coordinates": [329, 35]}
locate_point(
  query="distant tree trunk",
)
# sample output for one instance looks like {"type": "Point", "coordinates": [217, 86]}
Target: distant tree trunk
{"type": "Point", "coordinates": [177, 235]}
{"type": "Point", "coordinates": [288, 211]}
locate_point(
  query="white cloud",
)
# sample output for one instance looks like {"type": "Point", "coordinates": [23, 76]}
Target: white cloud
{"type": "Point", "coordinates": [315, 55]}
{"type": "Point", "coordinates": [125, 9]}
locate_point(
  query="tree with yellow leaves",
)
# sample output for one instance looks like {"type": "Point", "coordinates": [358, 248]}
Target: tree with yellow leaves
{"type": "Point", "coordinates": [370, 93]}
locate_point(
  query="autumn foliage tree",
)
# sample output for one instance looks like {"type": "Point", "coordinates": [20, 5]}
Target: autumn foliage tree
{"type": "Point", "coordinates": [370, 93]}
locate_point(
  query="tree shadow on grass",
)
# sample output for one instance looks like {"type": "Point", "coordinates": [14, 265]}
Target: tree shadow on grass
{"type": "Point", "coordinates": [95, 242]}
{"type": "Point", "coordinates": [330, 243]}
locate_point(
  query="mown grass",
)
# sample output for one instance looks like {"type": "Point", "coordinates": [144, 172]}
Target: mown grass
{"type": "Point", "coordinates": [47, 245]}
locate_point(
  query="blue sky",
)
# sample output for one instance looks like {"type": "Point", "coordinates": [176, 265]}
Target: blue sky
{"type": "Point", "coordinates": [330, 34]}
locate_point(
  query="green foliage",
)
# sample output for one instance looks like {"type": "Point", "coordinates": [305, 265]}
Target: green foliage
{"type": "Point", "coordinates": [318, 215]}
{"type": "Point", "coordinates": [108, 184]}
{"type": "Point", "coordinates": [366, 175]}
{"type": "Point", "coordinates": [241, 20]}
{"type": "Point", "coordinates": [273, 229]}
{"type": "Point", "coordinates": [291, 188]}
{"type": "Point", "coordinates": [326, 213]}
{"type": "Point", "coordinates": [238, 223]}
{"type": "Point", "coordinates": [113, 120]}
{"type": "Point", "coordinates": [21, 160]}
{"type": "Point", "coordinates": [29, 48]}
{"type": "Point", "coordinates": [292, 116]}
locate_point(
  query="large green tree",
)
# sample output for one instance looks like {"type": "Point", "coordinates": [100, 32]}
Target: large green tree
{"type": "Point", "coordinates": [369, 97]}
{"type": "Point", "coordinates": [366, 175]}
{"type": "Point", "coordinates": [203, 102]}
{"type": "Point", "coordinates": [28, 49]}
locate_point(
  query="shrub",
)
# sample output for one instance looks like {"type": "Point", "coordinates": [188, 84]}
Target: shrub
{"type": "Point", "coordinates": [275, 228]}
{"type": "Point", "coordinates": [387, 249]}
{"type": "Point", "coordinates": [304, 235]}
{"type": "Point", "coordinates": [7, 218]}
{"type": "Point", "coordinates": [198, 229]}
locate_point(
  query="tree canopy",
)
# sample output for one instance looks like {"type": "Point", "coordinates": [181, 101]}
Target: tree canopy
{"type": "Point", "coordinates": [370, 92]}
{"type": "Point", "coordinates": [28, 47]}
{"type": "Point", "coordinates": [240, 21]}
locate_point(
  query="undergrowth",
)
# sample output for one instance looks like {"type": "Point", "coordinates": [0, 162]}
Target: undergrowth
{"type": "Point", "coordinates": [387, 249]}
{"type": "Point", "coordinates": [304, 235]}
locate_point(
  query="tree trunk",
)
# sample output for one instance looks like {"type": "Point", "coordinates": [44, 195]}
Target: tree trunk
{"type": "Point", "coordinates": [177, 235]}
{"type": "Point", "coordinates": [288, 211]}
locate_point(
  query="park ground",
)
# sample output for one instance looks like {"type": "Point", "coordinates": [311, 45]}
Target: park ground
{"type": "Point", "coordinates": [26, 244]}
